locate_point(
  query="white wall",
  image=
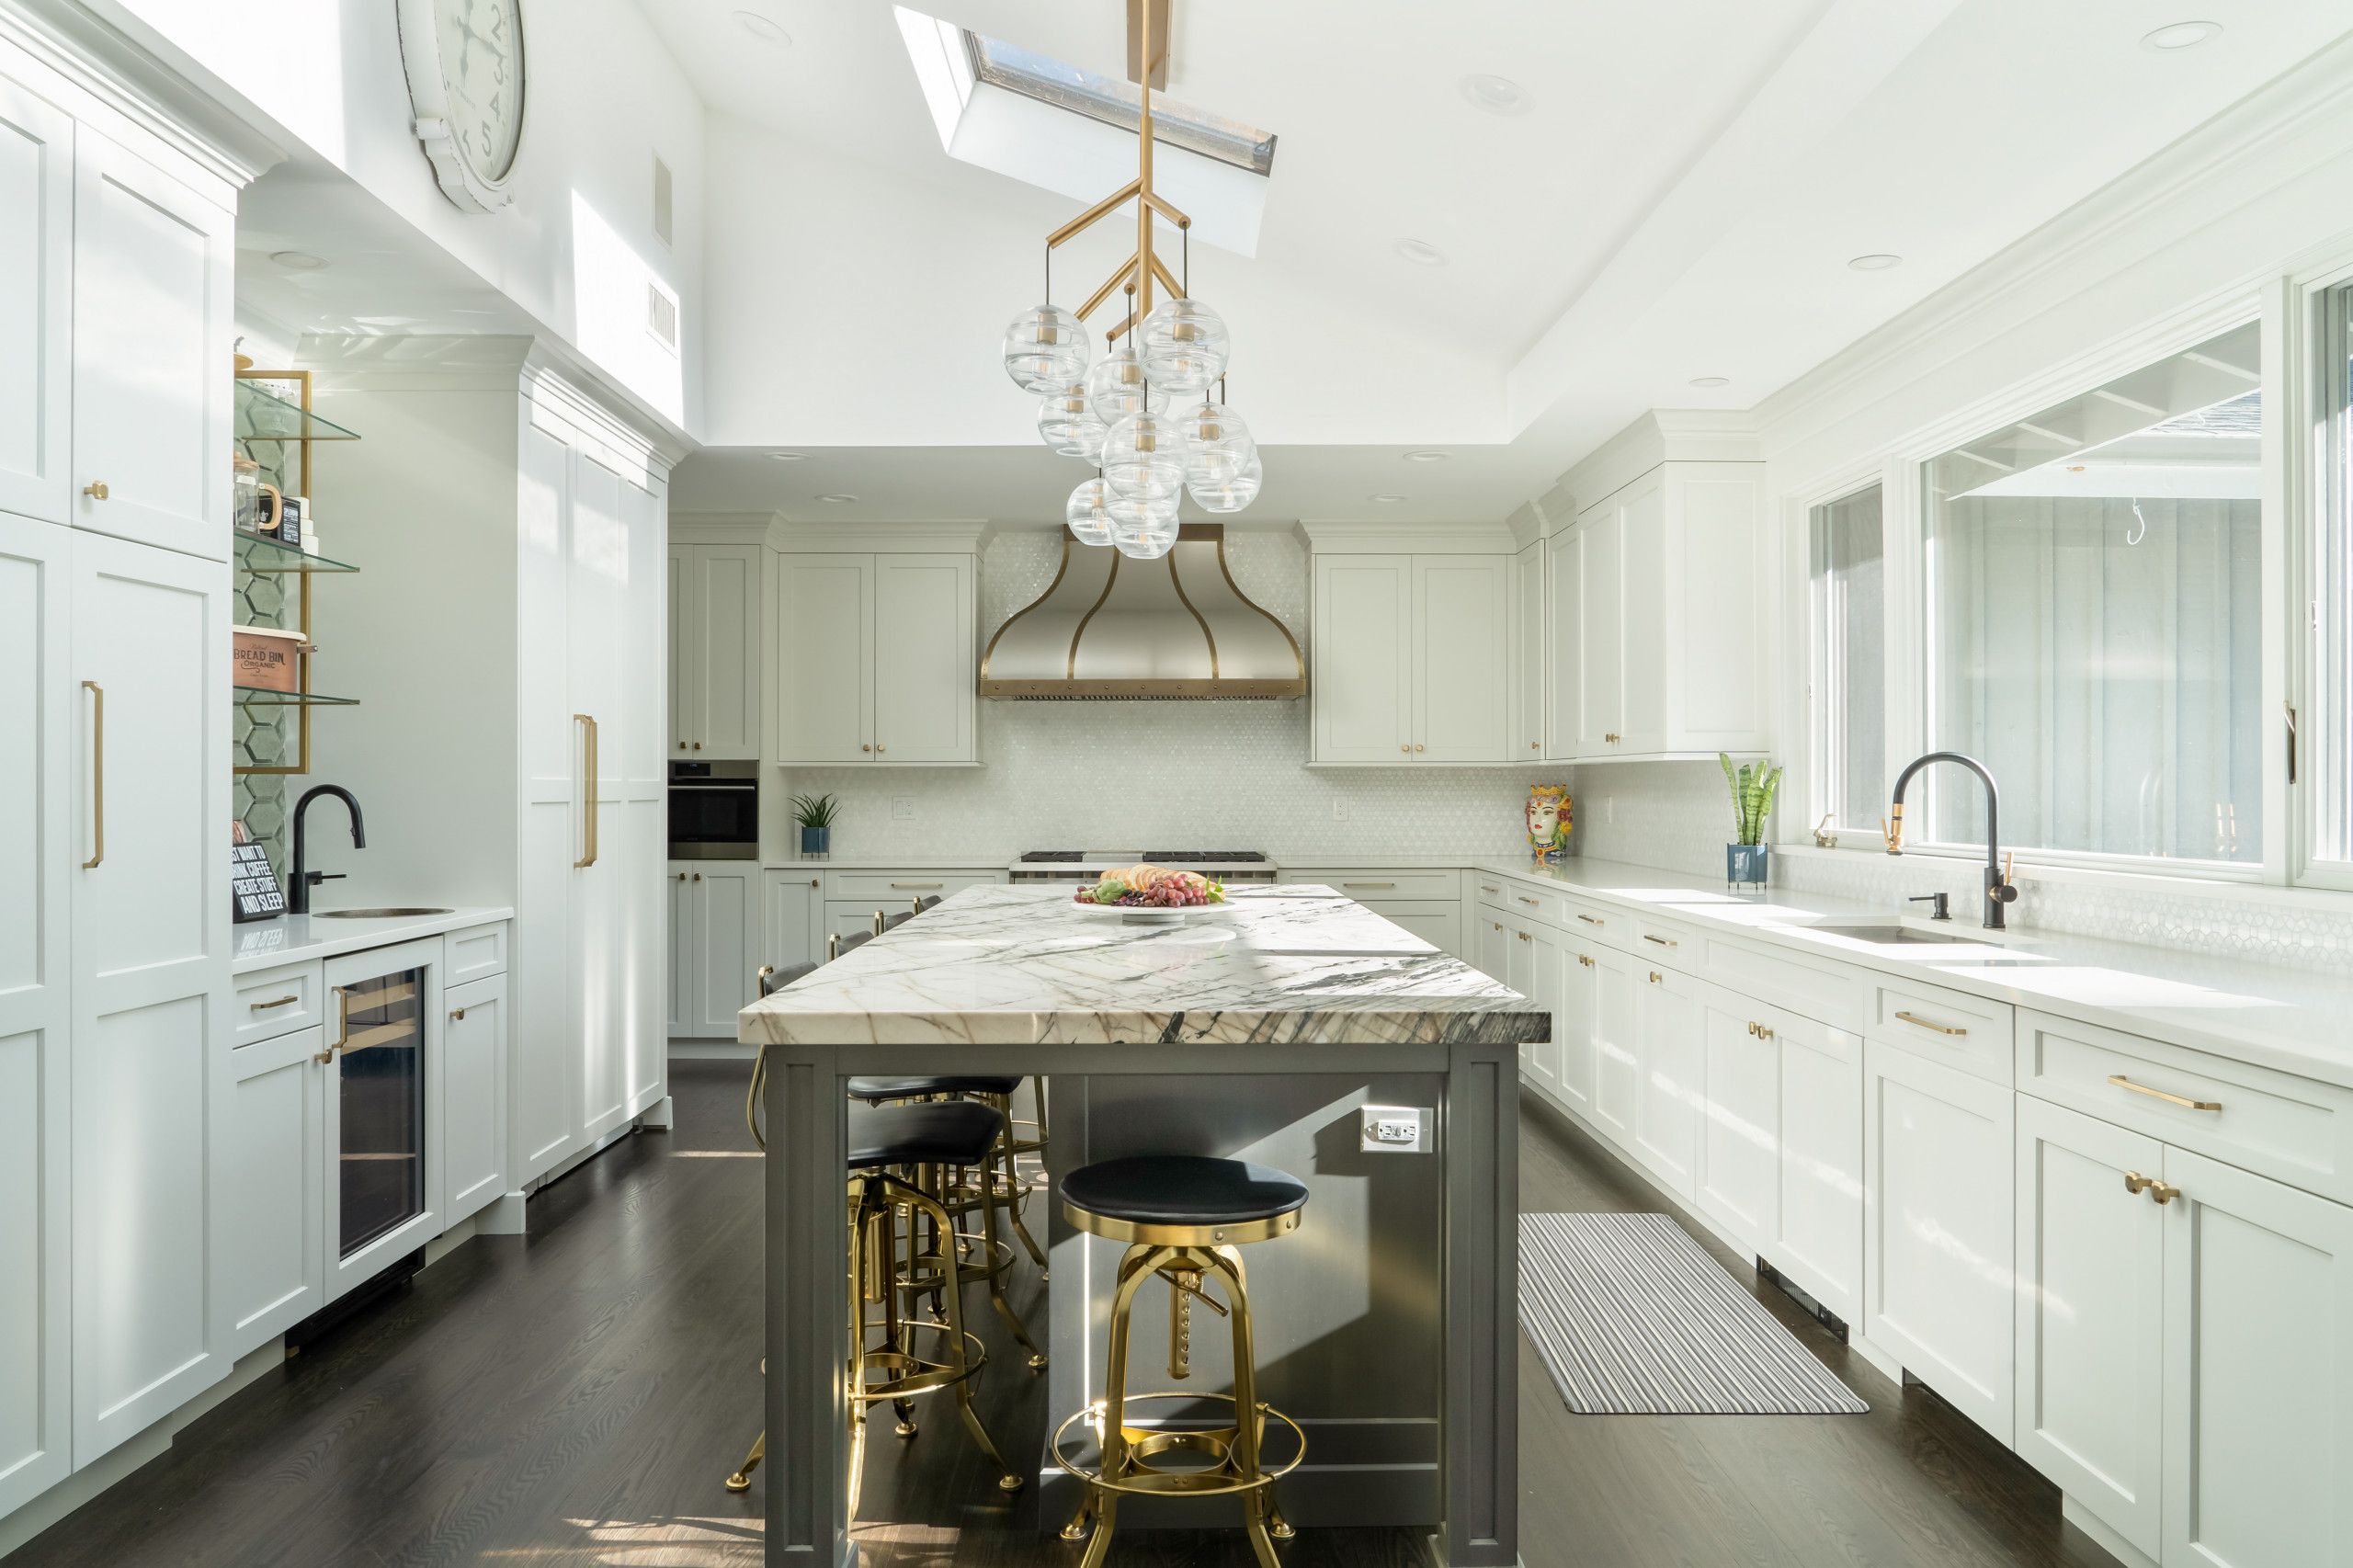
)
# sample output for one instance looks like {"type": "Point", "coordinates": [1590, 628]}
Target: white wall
{"type": "Point", "coordinates": [604, 97]}
{"type": "Point", "coordinates": [1160, 775]}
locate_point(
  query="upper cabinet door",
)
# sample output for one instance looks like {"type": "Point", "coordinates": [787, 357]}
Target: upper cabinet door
{"type": "Point", "coordinates": [1564, 597]}
{"type": "Point", "coordinates": [686, 686]}
{"type": "Point", "coordinates": [1461, 658]}
{"type": "Point", "coordinates": [1601, 707]}
{"type": "Point", "coordinates": [36, 306]}
{"type": "Point", "coordinates": [151, 298]}
{"type": "Point", "coordinates": [1642, 648]}
{"type": "Point", "coordinates": [824, 678]}
{"type": "Point", "coordinates": [926, 672]}
{"type": "Point", "coordinates": [1363, 648]}
{"type": "Point", "coordinates": [715, 657]}
{"type": "Point", "coordinates": [1526, 741]}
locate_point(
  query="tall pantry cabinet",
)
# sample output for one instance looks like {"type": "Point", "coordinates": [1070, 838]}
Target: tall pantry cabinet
{"type": "Point", "coordinates": [117, 239]}
{"type": "Point", "coordinates": [499, 504]}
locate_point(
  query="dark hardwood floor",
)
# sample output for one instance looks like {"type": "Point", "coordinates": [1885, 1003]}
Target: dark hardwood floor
{"type": "Point", "coordinates": [574, 1397]}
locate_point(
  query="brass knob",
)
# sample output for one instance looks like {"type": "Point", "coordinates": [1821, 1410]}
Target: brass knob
{"type": "Point", "coordinates": [458, 1014]}
{"type": "Point", "coordinates": [1524, 937]}
{"type": "Point", "coordinates": [1656, 978]}
{"type": "Point", "coordinates": [2135, 1183]}
{"type": "Point", "coordinates": [1418, 745]}
{"type": "Point", "coordinates": [879, 747]}
{"type": "Point", "coordinates": [1533, 745]}
{"type": "Point", "coordinates": [698, 876]}
{"type": "Point", "coordinates": [863, 747]}
{"type": "Point", "coordinates": [1404, 745]}
{"type": "Point", "coordinates": [697, 745]}
{"type": "Point", "coordinates": [95, 490]}
{"type": "Point", "coordinates": [682, 745]}
{"type": "Point", "coordinates": [2162, 1193]}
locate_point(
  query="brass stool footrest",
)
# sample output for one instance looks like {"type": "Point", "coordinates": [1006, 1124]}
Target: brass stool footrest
{"type": "Point", "coordinates": [918, 1375]}
{"type": "Point", "coordinates": [1217, 1443]}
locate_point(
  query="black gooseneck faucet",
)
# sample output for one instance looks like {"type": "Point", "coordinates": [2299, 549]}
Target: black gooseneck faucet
{"type": "Point", "coordinates": [1999, 891]}
{"type": "Point", "coordinates": [298, 896]}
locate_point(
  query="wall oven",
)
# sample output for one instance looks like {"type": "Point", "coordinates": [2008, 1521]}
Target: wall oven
{"type": "Point", "coordinates": [714, 810]}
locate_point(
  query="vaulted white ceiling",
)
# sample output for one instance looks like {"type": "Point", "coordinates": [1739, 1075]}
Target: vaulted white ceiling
{"type": "Point", "coordinates": [1678, 199]}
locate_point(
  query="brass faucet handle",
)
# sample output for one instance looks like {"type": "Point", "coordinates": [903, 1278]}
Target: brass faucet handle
{"type": "Point", "coordinates": [1892, 830]}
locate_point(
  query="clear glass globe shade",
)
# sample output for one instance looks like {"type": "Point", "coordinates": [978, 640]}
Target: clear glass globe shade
{"type": "Point", "coordinates": [1143, 457]}
{"type": "Point", "coordinates": [1184, 346]}
{"type": "Point", "coordinates": [1116, 386]}
{"type": "Point", "coordinates": [1217, 443]}
{"type": "Point", "coordinates": [1230, 495]}
{"type": "Point", "coordinates": [1068, 425]}
{"type": "Point", "coordinates": [1045, 350]}
{"type": "Point", "coordinates": [1089, 523]}
{"type": "Point", "coordinates": [1144, 531]}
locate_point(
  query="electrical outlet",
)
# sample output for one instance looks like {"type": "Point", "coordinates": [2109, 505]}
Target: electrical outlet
{"type": "Point", "coordinates": [902, 805]}
{"type": "Point", "coordinates": [1339, 810]}
{"type": "Point", "coordinates": [1395, 1129]}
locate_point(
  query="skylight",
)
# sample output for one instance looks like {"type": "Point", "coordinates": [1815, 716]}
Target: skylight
{"type": "Point", "coordinates": [1119, 103]}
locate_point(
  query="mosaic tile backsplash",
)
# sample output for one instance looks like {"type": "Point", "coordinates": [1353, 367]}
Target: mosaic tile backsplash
{"type": "Point", "coordinates": [1172, 774]}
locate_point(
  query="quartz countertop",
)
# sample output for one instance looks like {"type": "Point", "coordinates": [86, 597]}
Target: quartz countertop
{"type": "Point", "coordinates": [1024, 965]}
{"type": "Point", "coordinates": [2289, 1019]}
{"type": "Point", "coordinates": [297, 938]}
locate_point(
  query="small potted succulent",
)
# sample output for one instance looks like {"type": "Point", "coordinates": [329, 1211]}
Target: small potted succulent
{"type": "Point", "coordinates": [816, 814]}
{"type": "Point", "coordinates": [1753, 789]}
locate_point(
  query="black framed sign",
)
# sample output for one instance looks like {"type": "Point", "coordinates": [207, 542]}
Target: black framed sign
{"type": "Point", "coordinates": [252, 881]}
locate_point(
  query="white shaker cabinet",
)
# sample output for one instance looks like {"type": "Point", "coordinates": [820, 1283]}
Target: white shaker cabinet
{"type": "Point", "coordinates": [716, 936]}
{"type": "Point", "coordinates": [715, 651]}
{"type": "Point", "coordinates": [791, 911]}
{"type": "Point", "coordinates": [1938, 1172]}
{"type": "Point", "coordinates": [1528, 670]}
{"type": "Point", "coordinates": [1533, 958]}
{"type": "Point", "coordinates": [153, 278]}
{"type": "Point", "coordinates": [273, 1167]}
{"type": "Point", "coordinates": [1818, 1239]}
{"type": "Point", "coordinates": [1669, 1028]}
{"type": "Point", "coordinates": [471, 1098]}
{"type": "Point", "coordinates": [36, 320]}
{"type": "Point", "coordinates": [1738, 1180]}
{"type": "Point", "coordinates": [1411, 659]}
{"type": "Point", "coordinates": [876, 658]}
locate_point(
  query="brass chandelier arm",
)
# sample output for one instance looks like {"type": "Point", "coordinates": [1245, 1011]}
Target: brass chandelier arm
{"type": "Point", "coordinates": [1166, 208]}
{"type": "Point", "coordinates": [1094, 301]}
{"type": "Point", "coordinates": [1092, 215]}
{"type": "Point", "coordinates": [1176, 289]}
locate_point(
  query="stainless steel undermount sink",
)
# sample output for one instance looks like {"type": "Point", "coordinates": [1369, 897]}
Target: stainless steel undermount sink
{"type": "Point", "coordinates": [375, 913]}
{"type": "Point", "coordinates": [1897, 935]}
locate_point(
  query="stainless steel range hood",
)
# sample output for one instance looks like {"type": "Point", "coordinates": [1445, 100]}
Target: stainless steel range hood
{"type": "Point", "coordinates": [1112, 628]}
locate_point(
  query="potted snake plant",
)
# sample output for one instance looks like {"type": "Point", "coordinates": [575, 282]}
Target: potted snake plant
{"type": "Point", "coordinates": [1753, 789]}
{"type": "Point", "coordinates": [816, 814]}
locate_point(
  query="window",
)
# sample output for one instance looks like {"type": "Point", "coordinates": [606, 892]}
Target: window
{"type": "Point", "coordinates": [2326, 735]}
{"type": "Point", "coordinates": [1119, 103]}
{"type": "Point", "coordinates": [1849, 674]}
{"type": "Point", "coordinates": [2093, 602]}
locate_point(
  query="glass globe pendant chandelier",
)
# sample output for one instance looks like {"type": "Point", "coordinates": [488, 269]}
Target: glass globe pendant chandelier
{"type": "Point", "coordinates": [1116, 413]}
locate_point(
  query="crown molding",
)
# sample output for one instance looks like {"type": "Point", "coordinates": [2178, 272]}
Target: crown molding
{"type": "Point", "coordinates": [1385, 537]}
{"type": "Point", "coordinates": [1659, 436]}
{"type": "Point", "coordinates": [417, 361]}
{"type": "Point", "coordinates": [1527, 525]}
{"type": "Point", "coordinates": [800, 536]}
{"type": "Point", "coordinates": [721, 528]}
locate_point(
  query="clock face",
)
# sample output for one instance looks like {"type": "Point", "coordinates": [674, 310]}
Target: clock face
{"type": "Point", "coordinates": [482, 72]}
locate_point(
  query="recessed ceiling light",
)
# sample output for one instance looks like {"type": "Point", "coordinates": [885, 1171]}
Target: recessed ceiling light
{"type": "Point", "coordinates": [762, 28]}
{"type": "Point", "coordinates": [297, 260]}
{"type": "Point", "coordinates": [1428, 457]}
{"type": "Point", "coordinates": [837, 500]}
{"type": "Point", "coordinates": [1385, 500]}
{"type": "Point", "coordinates": [1875, 263]}
{"type": "Point", "coordinates": [790, 457]}
{"type": "Point", "coordinates": [1496, 94]}
{"type": "Point", "coordinates": [2181, 35]}
{"type": "Point", "coordinates": [1711, 380]}
{"type": "Point", "coordinates": [1421, 252]}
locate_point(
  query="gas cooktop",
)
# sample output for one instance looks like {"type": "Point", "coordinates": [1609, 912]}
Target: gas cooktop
{"type": "Point", "coordinates": [1158, 857]}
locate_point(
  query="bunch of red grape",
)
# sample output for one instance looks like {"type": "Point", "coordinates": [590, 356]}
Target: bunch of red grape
{"type": "Point", "coordinates": [1175, 895]}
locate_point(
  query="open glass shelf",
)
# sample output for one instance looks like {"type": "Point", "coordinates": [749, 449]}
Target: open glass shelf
{"type": "Point", "coordinates": [259, 697]}
{"type": "Point", "coordinates": [255, 553]}
{"type": "Point", "coordinates": [261, 417]}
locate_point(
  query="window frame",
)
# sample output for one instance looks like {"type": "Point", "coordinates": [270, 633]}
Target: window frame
{"type": "Point", "coordinates": [1813, 688]}
{"type": "Point", "coordinates": [2307, 491]}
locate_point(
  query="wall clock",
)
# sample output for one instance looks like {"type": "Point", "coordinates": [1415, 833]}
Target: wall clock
{"type": "Point", "coordinates": [464, 59]}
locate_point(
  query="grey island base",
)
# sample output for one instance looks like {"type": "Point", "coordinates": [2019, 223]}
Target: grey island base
{"type": "Point", "coordinates": [1385, 1324]}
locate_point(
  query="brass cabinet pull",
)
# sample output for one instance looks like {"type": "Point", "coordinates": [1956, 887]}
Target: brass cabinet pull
{"type": "Point", "coordinates": [459, 1014]}
{"type": "Point", "coordinates": [342, 1024]}
{"type": "Point", "coordinates": [1487, 887]}
{"type": "Point", "coordinates": [2162, 1194]}
{"type": "Point", "coordinates": [1657, 979]}
{"type": "Point", "coordinates": [95, 490]}
{"type": "Point", "coordinates": [1611, 739]}
{"type": "Point", "coordinates": [1535, 745]}
{"type": "Point", "coordinates": [682, 876]}
{"type": "Point", "coordinates": [588, 836]}
{"type": "Point", "coordinates": [1940, 1028]}
{"type": "Point", "coordinates": [1343, 884]}
{"type": "Point", "coordinates": [1404, 745]}
{"type": "Point", "coordinates": [697, 745]}
{"type": "Point", "coordinates": [1592, 921]}
{"type": "Point", "coordinates": [682, 745]}
{"type": "Point", "coordinates": [909, 885]}
{"type": "Point", "coordinates": [2135, 1183]}
{"type": "Point", "coordinates": [98, 767]}
{"type": "Point", "coordinates": [864, 746]}
{"type": "Point", "coordinates": [1524, 899]}
{"type": "Point", "coordinates": [1762, 1031]}
{"type": "Point", "coordinates": [1524, 937]}
{"type": "Point", "coordinates": [1497, 924]}
{"type": "Point", "coordinates": [879, 748]}
{"type": "Point", "coordinates": [1662, 941]}
{"type": "Point", "coordinates": [1418, 745]}
{"type": "Point", "coordinates": [281, 1002]}
{"type": "Point", "coordinates": [698, 876]}
{"type": "Point", "coordinates": [1585, 961]}
{"type": "Point", "coordinates": [2122, 1082]}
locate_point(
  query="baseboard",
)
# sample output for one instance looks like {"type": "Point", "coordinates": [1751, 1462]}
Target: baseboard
{"type": "Point", "coordinates": [119, 1462]}
{"type": "Point", "coordinates": [711, 1051]}
{"type": "Point", "coordinates": [2101, 1531]}
{"type": "Point", "coordinates": [451, 1239]}
{"type": "Point", "coordinates": [656, 1116]}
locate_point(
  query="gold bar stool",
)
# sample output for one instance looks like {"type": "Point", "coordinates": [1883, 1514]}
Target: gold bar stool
{"type": "Point", "coordinates": [1183, 1217]}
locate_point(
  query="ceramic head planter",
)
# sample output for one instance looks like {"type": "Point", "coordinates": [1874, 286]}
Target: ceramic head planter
{"type": "Point", "coordinates": [1548, 822]}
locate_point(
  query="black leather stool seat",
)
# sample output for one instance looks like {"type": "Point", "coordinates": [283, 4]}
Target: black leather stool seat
{"type": "Point", "coordinates": [926, 901]}
{"type": "Point", "coordinates": [952, 1133]}
{"type": "Point", "coordinates": [895, 921]}
{"type": "Point", "coordinates": [1183, 1189]}
{"type": "Point", "coordinates": [856, 939]}
{"type": "Point", "coordinates": [876, 1090]}
{"type": "Point", "coordinates": [774, 982]}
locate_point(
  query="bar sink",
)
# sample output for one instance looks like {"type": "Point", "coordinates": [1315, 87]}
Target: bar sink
{"type": "Point", "coordinates": [374, 913]}
{"type": "Point", "coordinates": [1896, 935]}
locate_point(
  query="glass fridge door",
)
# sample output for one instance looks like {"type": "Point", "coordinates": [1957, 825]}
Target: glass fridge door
{"type": "Point", "coordinates": [382, 1112]}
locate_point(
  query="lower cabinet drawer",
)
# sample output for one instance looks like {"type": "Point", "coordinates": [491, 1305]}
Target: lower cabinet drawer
{"type": "Point", "coordinates": [273, 1002]}
{"type": "Point", "coordinates": [1437, 921]}
{"type": "Point", "coordinates": [1367, 883]}
{"type": "Point", "coordinates": [2294, 1130]}
{"type": "Point", "coordinates": [1831, 993]}
{"type": "Point", "coordinates": [475, 952]}
{"type": "Point", "coordinates": [1525, 903]}
{"type": "Point", "coordinates": [1486, 887]}
{"type": "Point", "coordinates": [893, 890]}
{"type": "Point", "coordinates": [1662, 941]}
{"type": "Point", "coordinates": [1951, 1026]}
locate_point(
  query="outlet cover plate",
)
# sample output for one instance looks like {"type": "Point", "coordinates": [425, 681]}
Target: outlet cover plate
{"type": "Point", "coordinates": [1396, 1129]}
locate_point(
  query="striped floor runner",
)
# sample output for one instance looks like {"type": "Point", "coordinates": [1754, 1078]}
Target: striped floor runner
{"type": "Point", "coordinates": [1633, 1319]}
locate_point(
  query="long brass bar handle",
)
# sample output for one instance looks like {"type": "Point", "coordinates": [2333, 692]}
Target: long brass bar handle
{"type": "Point", "coordinates": [1940, 1028]}
{"type": "Point", "coordinates": [97, 774]}
{"type": "Point", "coordinates": [1592, 920]}
{"type": "Point", "coordinates": [589, 832]}
{"type": "Point", "coordinates": [281, 1002]}
{"type": "Point", "coordinates": [2122, 1082]}
{"type": "Point", "coordinates": [1664, 941]}
{"type": "Point", "coordinates": [918, 884]}
{"type": "Point", "coordinates": [342, 1024]}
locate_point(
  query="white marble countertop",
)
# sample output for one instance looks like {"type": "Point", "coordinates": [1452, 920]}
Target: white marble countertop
{"type": "Point", "coordinates": [1022, 965]}
{"type": "Point", "coordinates": [872, 863]}
{"type": "Point", "coordinates": [2289, 1019]}
{"type": "Point", "coordinates": [297, 938]}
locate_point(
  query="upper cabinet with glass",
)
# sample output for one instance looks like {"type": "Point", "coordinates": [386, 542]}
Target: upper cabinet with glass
{"type": "Point", "coordinates": [2094, 599]}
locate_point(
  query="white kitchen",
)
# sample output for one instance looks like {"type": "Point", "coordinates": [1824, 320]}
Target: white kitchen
{"type": "Point", "coordinates": [1712, 820]}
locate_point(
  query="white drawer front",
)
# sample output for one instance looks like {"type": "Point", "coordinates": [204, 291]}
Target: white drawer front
{"type": "Point", "coordinates": [1662, 941]}
{"type": "Point", "coordinates": [273, 1002]}
{"type": "Point", "coordinates": [1601, 923]}
{"type": "Point", "coordinates": [893, 890]}
{"type": "Point", "coordinates": [1488, 889]}
{"type": "Point", "coordinates": [476, 952]}
{"type": "Point", "coordinates": [1945, 1026]}
{"type": "Point", "coordinates": [1367, 883]}
{"type": "Point", "coordinates": [2292, 1129]}
{"type": "Point", "coordinates": [1525, 903]}
{"type": "Point", "coordinates": [1829, 993]}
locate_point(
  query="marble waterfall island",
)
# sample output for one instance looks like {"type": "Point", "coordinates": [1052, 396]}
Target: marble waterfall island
{"type": "Point", "coordinates": [1385, 1324]}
